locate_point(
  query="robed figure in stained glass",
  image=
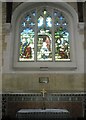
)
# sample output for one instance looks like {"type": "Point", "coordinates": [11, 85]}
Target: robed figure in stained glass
{"type": "Point", "coordinates": [45, 50]}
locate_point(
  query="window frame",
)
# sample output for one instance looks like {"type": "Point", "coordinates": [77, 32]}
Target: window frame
{"type": "Point", "coordinates": [36, 34]}
{"type": "Point", "coordinates": [49, 66]}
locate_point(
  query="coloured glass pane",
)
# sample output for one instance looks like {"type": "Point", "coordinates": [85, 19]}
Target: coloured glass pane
{"type": "Point", "coordinates": [27, 45]}
{"type": "Point", "coordinates": [27, 35]}
{"type": "Point", "coordinates": [44, 46]}
{"type": "Point", "coordinates": [40, 21]}
{"type": "Point", "coordinates": [44, 41]}
{"type": "Point", "coordinates": [49, 22]}
{"type": "Point", "coordinates": [62, 39]}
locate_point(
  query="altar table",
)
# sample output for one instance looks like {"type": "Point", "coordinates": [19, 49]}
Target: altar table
{"type": "Point", "coordinates": [39, 114]}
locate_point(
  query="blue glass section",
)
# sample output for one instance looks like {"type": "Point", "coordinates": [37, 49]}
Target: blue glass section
{"type": "Point", "coordinates": [61, 18]}
{"type": "Point", "coordinates": [40, 21]}
{"type": "Point", "coordinates": [66, 34]}
{"type": "Point", "coordinates": [28, 18]}
{"type": "Point", "coordinates": [49, 22]}
{"type": "Point", "coordinates": [23, 24]}
{"type": "Point", "coordinates": [27, 31]}
{"type": "Point", "coordinates": [32, 24]}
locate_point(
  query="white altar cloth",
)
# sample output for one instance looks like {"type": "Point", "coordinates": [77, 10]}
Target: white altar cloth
{"type": "Point", "coordinates": [43, 110]}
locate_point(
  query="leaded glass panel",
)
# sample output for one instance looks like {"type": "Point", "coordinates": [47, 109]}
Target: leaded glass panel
{"type": "Point", "coordinates": [27, 35]}
{"type": "Point", "coordinates": [62, 40]}
{"type": "Point", "coordinates": [44, 41]}
{"type": "Point", "coordinates": [44, 45]}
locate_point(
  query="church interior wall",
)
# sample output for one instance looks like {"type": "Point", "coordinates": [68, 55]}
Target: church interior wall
{"type": "Point", "coordinates": [26, 83]}
{"type": "Point", "coordinates": [23, 89]}
{"type": "Point", "coordinates": [15, 82]}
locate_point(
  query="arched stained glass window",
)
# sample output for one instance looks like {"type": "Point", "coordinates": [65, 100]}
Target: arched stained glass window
{"type": "Point", "coordinates": [44, 36]}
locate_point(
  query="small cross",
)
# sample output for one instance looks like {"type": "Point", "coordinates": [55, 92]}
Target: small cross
{"type": "Point", "coordinates": [43, 92]}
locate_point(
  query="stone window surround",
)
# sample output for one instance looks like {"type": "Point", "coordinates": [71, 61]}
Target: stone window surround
{"type": "Point", "coordinates": [43, 66]}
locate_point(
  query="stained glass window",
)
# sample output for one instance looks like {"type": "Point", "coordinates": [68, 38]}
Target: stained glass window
{"type": "Point", "coordinates": [44, 36]}
{"type": "Point", "coordinates": [61, 36]}
{"type": "Point", "coordinates": [27, 35]}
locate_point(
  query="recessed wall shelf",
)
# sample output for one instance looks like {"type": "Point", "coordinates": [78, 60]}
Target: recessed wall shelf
{"type": "Point", "coordinates": [43, 80]}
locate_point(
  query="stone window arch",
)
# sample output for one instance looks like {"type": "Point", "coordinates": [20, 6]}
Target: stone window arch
{"type": "Point", "coordinates": [32, 22]}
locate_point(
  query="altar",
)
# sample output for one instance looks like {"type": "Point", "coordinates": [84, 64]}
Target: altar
{"type": "Point", "coordinates": [37, 114]}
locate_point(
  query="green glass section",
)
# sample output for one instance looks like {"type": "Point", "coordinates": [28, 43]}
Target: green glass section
{"type": "Point", "coordinates": [62, 37]}
{"type": "Point", "coordinates": [62, 45]}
